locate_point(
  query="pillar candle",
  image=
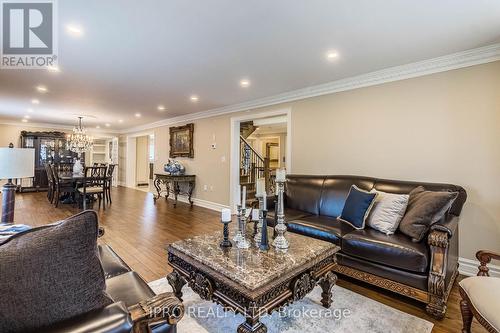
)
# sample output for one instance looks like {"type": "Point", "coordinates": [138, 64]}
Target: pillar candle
{"type": "Point", "coordinates": [226, 215]}
{"type": "Point", "coordinates": [280, 175]}
{"type": "Point", "coordinates": [255, 214]}
{"type": "Point", "coordinates": [244, 197]}
{"type": "Point", "coordinates": [261, 187]}
{"type": "Point", "coordinates": [238, 197]}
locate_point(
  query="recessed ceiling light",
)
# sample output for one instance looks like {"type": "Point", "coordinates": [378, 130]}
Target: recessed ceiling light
{"type": "Point", "coordinates": [194, 98]}
{"type": "Point", "coordinates": [74, 30]}
{"type": "Point", "coordinates": [107, 125]}
{"type": "Point", "coordinates": [42, 89]}
{"type": "Point", "coordinates": [161, 108]}
{"type": "Point", "coordinates": [30, 110]}
{"type": "Point", "coordinates": [53, 69]}
{"type": "Point", "coordinates": [138, 115]}
{"type": "Point", "coordinates": [120, 121]}
{"type": "Point", "coordinates": [332, 55]}
{"type": "Point", "coordinates": [27, 117]}
{"type": "Point", "coordinates": [98, 127]}
{"type": "Point", "coordinates": [244, 83]}
{"type": "Point", "coordinates": [24, 120]}
{"type": "Point", "coordinates": [35, 101]}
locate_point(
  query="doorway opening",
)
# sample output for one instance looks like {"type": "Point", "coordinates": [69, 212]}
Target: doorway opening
{"type": "Point", "coordinates": [260, 145]}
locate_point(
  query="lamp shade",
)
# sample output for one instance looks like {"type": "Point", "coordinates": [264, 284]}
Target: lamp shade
{"type": "Point", "coordinates": [17, 163]}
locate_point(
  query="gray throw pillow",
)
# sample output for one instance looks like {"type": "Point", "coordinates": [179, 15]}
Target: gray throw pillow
{"type": "Point", "coordinates": [424, 209]}
{"type": "Point", "coordinates": [51, 273]}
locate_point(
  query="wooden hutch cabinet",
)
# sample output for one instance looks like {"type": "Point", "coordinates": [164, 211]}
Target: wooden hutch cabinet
{"type": "Point", "coordinates": [50, 147]}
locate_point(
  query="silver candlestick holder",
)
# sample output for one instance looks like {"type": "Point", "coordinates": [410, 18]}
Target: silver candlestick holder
{"type": "Point", "coordinates": [243, 242]}
{"type": "Point", "coordinates": [258, 235]}
{"type": "Point", "coordinates": [280, 242]}
{"type": "Point", "coordinates": [238, 234]}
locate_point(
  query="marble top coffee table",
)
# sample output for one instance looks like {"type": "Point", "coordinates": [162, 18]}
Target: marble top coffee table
{"type": "Point", "coordinates": [249, 281]}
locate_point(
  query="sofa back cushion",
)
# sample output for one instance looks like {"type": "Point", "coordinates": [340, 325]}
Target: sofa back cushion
{"type": "Point", "coordinates": [304, 193]}
{"type": "Point", "coordinates": [50, 274]}
{"type": "Point", "coordinates": [405, 187]}
{"type": "Point", "coordinates": [335, 191]}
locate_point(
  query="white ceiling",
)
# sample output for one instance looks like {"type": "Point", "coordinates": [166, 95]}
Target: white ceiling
{"type": "Point", "coordinates": [135, 55]}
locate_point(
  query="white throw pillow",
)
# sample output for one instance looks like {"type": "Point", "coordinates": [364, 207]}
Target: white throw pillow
{"type": "Point", "coordinates": [387, 211]}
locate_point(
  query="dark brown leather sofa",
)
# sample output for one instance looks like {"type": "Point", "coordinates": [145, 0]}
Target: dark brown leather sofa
{"type": "Point", "coordinates": [133, 308]}
{"type": "Point", "coordinates": [424, 271]}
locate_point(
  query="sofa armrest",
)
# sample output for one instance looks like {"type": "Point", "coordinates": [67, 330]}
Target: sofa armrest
{"type": "Point", "coordinates": [484, 258]}
{"type": "Point", "coordinates": [162, 307]}
{"type": "Point", "coordinates": [448, 224]}
{"type": "Point", "coordinates": [438, 241]}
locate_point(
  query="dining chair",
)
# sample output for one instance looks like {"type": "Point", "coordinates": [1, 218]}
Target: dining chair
{"type": "Point", "coordinates": [64, 167]}
{"type": "Point", "coordinates": [481, 296]}
{"type": "Point", "coordinates": [109, 179]}
{"type": "Point", "coordinates": [94, 184]}
{"type": "Point", "coordinates": [60, 186]}
{"type": "Point", "coordinates": [50, 179]}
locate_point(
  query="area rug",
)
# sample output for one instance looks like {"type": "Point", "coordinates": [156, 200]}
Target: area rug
{"type": "Point", "coordinates": [349, 313]}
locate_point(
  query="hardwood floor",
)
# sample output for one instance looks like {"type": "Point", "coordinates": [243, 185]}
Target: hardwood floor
{"type": "Point", "coordinates": [139, 231]}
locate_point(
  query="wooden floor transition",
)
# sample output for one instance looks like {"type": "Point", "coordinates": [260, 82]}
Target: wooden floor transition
{"type": "Point", "coordinates": [138, 231]}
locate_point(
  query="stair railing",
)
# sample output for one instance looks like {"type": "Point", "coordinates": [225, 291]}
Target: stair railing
{"type": "Point", "coordinates": [253, 164]}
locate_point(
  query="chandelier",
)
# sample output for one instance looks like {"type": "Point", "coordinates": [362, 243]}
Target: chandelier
{"type": "Point", "coordinates": [79, 141]}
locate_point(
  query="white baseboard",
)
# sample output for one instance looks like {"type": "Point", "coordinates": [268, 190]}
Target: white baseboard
{"type": "Point", "coordinates": [203, 203]}
{"type": "Point", "coordinates": [197, 202]}
{"type": "Point", "coordinates": [469, 267]}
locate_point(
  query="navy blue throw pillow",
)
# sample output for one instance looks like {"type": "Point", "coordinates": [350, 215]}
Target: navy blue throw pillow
{"type": "Point", "coordinates": [357, 207]}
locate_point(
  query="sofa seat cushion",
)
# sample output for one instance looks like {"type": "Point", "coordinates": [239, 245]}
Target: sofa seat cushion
{"type": "Point", "coordinates": [129, 288]}
{"type": "Point", "coordinates": [396, 250]}
{"type": "Point", "coordinates": [290, 215]}
{"type": "Point", "coordinates": [111, 263]}
{"type": "Point", "coordinates": [484, 294]}
{"type": "Point", "coordinates": [319, 227]}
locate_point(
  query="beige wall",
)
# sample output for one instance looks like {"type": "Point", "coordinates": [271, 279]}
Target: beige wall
{"type": "Point", "coordinates": [443, 127]}
{"type": "Point", "coordinates": [142, 160]}
{"type": "Point", "coordinates": [211, 166]}
{"type": "Point", "coordinates": [440, 128]}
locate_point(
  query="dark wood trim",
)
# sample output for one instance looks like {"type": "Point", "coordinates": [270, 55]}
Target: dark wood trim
{"type": "Point", "coordinates": [402, 289]}
{"type": "Point", "coordinates": [173, 130]}
{"type": "Point", "coordinates": [54, 134]}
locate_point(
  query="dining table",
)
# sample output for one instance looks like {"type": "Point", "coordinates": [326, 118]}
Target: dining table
{"type": "Point", "coordinates": [75, 179]}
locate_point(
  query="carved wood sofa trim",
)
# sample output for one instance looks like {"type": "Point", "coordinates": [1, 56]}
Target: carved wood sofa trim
{"type": "Point", "coordinates": [162, 307]}
{"type": "Point", "coordinates": [402, 289]}
{"type": "Point", "coordinates": [437, 294]}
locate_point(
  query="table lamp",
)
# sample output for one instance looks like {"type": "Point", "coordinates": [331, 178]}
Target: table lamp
{"type": "Point", "coordinates": [14, 163]}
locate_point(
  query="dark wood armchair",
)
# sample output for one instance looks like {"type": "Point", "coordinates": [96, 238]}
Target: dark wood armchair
{"type": "Point", "coordinates": [481, 296]}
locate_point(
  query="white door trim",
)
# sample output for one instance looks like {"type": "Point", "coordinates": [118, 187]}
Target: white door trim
{"type": "Point", "coordinates": [235, 146]}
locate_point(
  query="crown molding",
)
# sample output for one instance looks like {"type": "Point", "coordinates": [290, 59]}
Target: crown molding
{"type": "Point", "coordinates": [445, 63]}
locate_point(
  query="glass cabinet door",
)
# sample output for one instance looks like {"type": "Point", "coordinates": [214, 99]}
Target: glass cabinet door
{"type": "Point", "coordinates": [47, 151]}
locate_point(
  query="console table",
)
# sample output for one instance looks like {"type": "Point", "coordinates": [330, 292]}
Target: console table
{"type": "Point", "coordinates": [172, 183]}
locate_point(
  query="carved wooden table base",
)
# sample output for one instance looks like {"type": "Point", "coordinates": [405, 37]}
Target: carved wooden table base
{"type": "Point", "coordinates": [291, 286]}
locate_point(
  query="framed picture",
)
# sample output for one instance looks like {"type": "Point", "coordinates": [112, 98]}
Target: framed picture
{"type": "Point", "coordinates": [181, 141]}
